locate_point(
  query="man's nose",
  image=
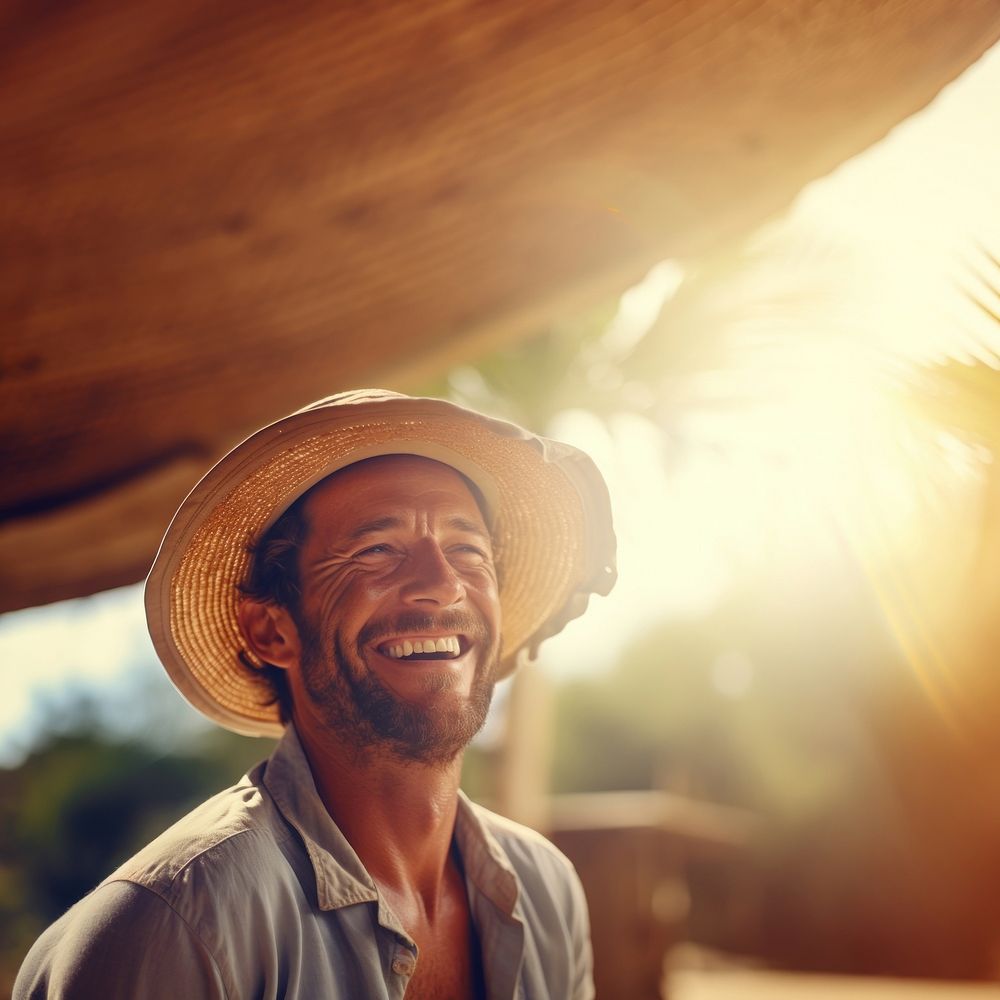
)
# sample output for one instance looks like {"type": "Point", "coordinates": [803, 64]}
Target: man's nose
{"type": "Point", "coordinates": [431, 578]}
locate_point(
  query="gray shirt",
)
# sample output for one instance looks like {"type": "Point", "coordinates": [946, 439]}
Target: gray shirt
{"type": "Point", "coordinates": [258, 894]}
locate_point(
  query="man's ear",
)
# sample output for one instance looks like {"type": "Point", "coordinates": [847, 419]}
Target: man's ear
{"type": "Point", "coordinates": [270, 632]}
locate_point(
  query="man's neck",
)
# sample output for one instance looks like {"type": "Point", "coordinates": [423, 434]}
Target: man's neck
{"type": "Point", "coordinates": [399, 816]}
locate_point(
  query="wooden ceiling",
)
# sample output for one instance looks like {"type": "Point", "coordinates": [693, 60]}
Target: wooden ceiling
{"type": "Point", "coordinates": [213, 214]}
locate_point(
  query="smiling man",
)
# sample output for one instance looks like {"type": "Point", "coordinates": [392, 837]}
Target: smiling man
{"type": "Point", "coordinates": [355, 578]}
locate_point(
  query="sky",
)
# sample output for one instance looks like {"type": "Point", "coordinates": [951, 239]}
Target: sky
{"type": "Point", "coordinates": [907, 224]}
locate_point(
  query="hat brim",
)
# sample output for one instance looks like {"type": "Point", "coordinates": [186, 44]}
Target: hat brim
{"type": "Point", "coordinates": [548, 506]}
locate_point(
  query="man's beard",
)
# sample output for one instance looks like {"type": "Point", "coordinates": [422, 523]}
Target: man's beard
{"type": "Point", "coordinates": [355, 703]}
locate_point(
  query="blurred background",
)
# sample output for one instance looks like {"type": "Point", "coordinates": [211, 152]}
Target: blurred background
{"type": "Point", "coordinates": [746, 255]}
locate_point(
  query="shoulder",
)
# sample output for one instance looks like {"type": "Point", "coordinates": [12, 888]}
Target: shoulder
{"type": "Point", "coordinates": [546, 877]}
{"type": "Point", "coordinates": [210, 846]}
{"type": "Point", "coordinates": [170, 908]}
{"type": "Point", "coordinates": [530, 854]}
{"type": "Point", "coordinates": [121, 940]}
{"type": "Point", "coordinates": [552, 905]}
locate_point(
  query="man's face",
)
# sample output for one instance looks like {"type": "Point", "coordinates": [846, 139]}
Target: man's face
{"type": "Point", "coordinates": [400, 615]}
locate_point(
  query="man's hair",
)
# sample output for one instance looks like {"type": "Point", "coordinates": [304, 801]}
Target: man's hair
{"type": "Point", "coordinates": [274, 579]}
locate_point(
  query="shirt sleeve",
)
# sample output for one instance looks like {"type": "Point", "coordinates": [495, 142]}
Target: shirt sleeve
{"type": "Point", "coordinates": [120, 942]}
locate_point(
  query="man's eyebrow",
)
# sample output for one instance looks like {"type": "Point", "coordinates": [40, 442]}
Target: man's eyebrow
{"type": "Point", "coordinates": [464, 524]}
{"type": "Point", "coordinates": [370, 527]}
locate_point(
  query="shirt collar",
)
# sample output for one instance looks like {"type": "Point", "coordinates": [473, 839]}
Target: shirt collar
{"type": "Point", "coordinates": [341, 878]}
{"type": "Point", "coordinates": [486, 865]}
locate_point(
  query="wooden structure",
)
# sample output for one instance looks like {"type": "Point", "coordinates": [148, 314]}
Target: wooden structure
{"type": "Point", "coordinates": [633, 850]}
{"type": "Point", "coordinates": [213, 215]}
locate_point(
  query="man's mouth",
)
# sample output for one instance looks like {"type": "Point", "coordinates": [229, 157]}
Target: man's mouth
{"type": "Point", "coordinates": [443, 647]}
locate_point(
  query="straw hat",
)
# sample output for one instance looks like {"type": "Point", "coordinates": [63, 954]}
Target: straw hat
{"type": "Point", "coordinates": [546, 502]}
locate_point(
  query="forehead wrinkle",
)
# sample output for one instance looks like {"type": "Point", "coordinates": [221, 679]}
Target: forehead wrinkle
{"type": "Point", "coordinates": [456, 522]}
{"type": "Point", "coordinates": [377, 524]}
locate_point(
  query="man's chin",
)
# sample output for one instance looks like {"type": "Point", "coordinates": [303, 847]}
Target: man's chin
{"type": "Point", "coordinates": [431, 726]}
{"type": "Point", "coordinates": [435, 733]}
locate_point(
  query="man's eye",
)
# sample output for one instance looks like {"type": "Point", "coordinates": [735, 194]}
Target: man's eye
{"type": "Point", "coordinates": [374, 550]}
{"type": "Point", "coordinates": [470, 552]}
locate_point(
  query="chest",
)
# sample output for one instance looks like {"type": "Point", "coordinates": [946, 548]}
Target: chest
{"type": "Point", "coordinates": [448, 974]}
{"type": "Point", "coordinates": [450, 965]}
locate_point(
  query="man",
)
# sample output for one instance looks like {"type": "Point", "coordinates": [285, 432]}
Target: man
{"type": "Point", "coordinates": [355, 578]}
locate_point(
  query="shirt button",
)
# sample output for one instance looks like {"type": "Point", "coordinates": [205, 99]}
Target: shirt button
{"type": "Point", "coordinates": [403, 965]}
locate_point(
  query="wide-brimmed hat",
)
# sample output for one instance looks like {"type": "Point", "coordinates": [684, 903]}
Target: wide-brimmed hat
{"type": "Point", "coordinates": [547, 505]}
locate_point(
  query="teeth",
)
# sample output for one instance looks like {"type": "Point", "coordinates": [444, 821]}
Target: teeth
{"type": "Point", "coordinates": [448, 644]}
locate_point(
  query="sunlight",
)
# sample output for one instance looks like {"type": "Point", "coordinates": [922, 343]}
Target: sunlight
{"type": "Point", "coordinates": [825, 461]}
{"type": "Point", "coordinates": [816, 440]}
{"type": "Point", "coordinates": [666, 569]}
{"type": "Point", "coordinates": [812, 450]}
